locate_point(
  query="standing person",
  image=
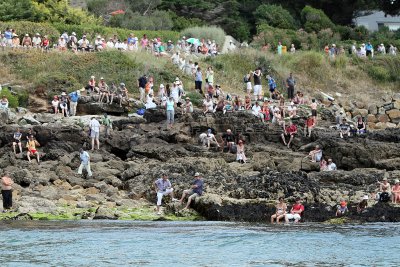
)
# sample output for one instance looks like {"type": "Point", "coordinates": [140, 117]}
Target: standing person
{"type": "Point", "coordinates": [142, 81]}
{"type": "Point", "coordinates": [17, 141]}
{"type": "Point", "coordinates": [196, 190]}
{"type": "Point", "coordinates": [369, 50]}
{"type": "Point", "coordinates": [271, 85]}
{"type": "Point", "coordinates": [94, 126]}
{"type": "Point", "coordinates": [31, 145]}
{"type": "Point", "coordinates": [314, 107]}
{"type": "Point", "coordinates": [247, 81]}
{"type": "Point", "coordinates": [280, 211]}
{"type": "Point", "coordinates": [198, 80]}
{"type": "Point", "coordinates": [310, 124]}
{"type": "Point", "coordinates": [257, 84]}
{"type": "Point", "coordinates": [279, 48]}
{"type": "Point", "coordinates": [396, 191]}
{"type": "Point", "coordinates": [295, 212]}
{"type": "Point", "coordinates": [240, 156]}
{"type": "Point", "coordinates": [210, 76]}
{"type": "Point", "coordinates": [170, 106]}
{"type": "Point", "coordinates": [163, 187]}
{"type": "Point", "coordinates": [85, 162]}
{"type": "Point", "coordinates": [55, 104]}
{"type": "Point", "coordinates": [106, 121]}
{"type": "Point", "coordinates": [6, 191]}
{"type": "Point", "coordinates": [73, 102]}
{"type": "Point", "coordinates": [290, 84]}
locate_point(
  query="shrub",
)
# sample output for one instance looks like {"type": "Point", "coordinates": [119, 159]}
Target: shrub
{"type": "Point", "coordinates": [196, 98]}
{"type": "Point", "coordinates": [315, 19]}
{"type": "Point", "coordinates": [379, 73]}
{"type": "Point", "coordinates": [12, 99]}
{"type": "Point", "coordinates": [212, 33]}
{"type": "Point", "coordinates": [275, 16]}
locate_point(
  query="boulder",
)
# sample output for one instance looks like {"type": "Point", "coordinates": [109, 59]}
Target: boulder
{"type": "Point", "coordinates": [30, 120]}
{"type": "Point", "coordinates": [371, 118]}
{"type": "Point", "coordinates": [394, 115]}
{"type": "Point", "coordinates": [358, 112]}
{"type": "Point", "coordinates": [382, 118]}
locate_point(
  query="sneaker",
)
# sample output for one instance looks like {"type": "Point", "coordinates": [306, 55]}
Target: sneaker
{"type": "Point", "coordinates": [175, 199]}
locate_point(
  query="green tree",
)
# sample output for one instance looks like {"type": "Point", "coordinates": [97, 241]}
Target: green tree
{"type": "Point", "coordinates": [17, 10]}
{"type": "Point", "coordinates": [315, 19]}
{"type": "Point", "coordinates": [275, 16]}
{"type": "Point", "coordinates": [98, 7]}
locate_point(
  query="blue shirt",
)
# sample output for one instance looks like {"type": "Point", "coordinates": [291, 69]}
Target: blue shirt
{"type": "Point", "coordinates": [170, 105]}
{"type": "Point", "coordinates": [199, 188]}
{"type": "Point", "coordinates": [199, 76]}
{"type": "Point", "coordinates": [271, 83]}
{"type": "Point", "coordinates": [163, 185]}
{"type": "Point", "coordinates": [74, 97]}
{"type": "Point", "coordinates": [369, 47]}
{"type": "Point", "coordinates": [84, 157]}
{"type": "Point", "coordinates": [8, 35]}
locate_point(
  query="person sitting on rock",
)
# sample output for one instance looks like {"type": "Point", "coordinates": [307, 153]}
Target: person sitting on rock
{"type": "Point", "coordinates": [247, 103]}
{"type": "Point", "coordinates": [256, 111]}
{"type": "Point", "coordinates": [362, 205]}
{"type": "Point", "coordinates": [122, 93]}
{"type": "Point", "coordinates": [17, 141]}
{"type": "Point", "coordinates": [342, 208]}
{"type": "Point", "coordinates": [150, 104]}
{"type": "Point", "coordinates": [196, 190]}
{"type": "Point", "coordinates": [163, 187]}
{"type": "Point", "coordinates": [292, 110]}
{"type": "Point", "coordinates": [396, 192]}
{"type": "Point", "coordinates": [331, 166]}
{"type": "Point", "coordinates": [361, 128]}
{"type": "Point", "coordinates": [316, 154]}
{"type": "Point", "coordinates": [295, 212]}
{"type": "Point", "coordinates": [112, 92]}
{"type": "Point", "coordinates": [323, 165]}
{"type": "Point", "coordinates": [220, 106]}
{"type": "Point", "coordinates": [240, 156]}
{"type": "Point", "coordinates": [265, 110]}
{"type": "Point", "coordinates": [280, 211]}
{"type": "Point", "coordinates": [208, 105]}
{"type": "Point", "coordinates": [209, 139]}
{"type": "Point", "coordinates": [31, 145]}
{"type": "Point", "coordinates": [384, 190]}
{"type": "Point", "coordinates": [310, 124]}
{"type": "Point", "coordinates": [55, 104]}
{"type": "Point", "coordinates": [290, 131]}
{"type": "Point", "coordinates": [4, 103]}
{"type": "Point", "coordinates": [229, 139]}
{"type": "Point", "coordinates": [91, 86]}
{"type": "Point", "coordinates": [85, 162]}
{"type": "Point", "coordinates": [103, 91]}
{"type": "Point", "coordinates": [344, 129]}
{"type": "Point", "coordinates": [187, 106]}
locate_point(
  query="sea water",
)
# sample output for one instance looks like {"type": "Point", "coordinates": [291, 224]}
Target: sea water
{"type": "Point", "coordinates": [121, 243]}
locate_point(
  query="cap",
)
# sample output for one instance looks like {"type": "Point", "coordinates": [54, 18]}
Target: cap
{"type": "Point", "coordinates": [177, 79]}
{"type": "Point", "coordinates": [161, 85]}
{"type": "Point", "coordinates": [122, 84]}
{"type": "Point", "coordinates": [101, 78]}
{"type": "Point", "coordinates": [196, 174]}
{"type": "Point", "coordinates": [365, 197]}
{"type": "Point", "coordinates": [84, 36]}
{"type": "Point", "coordinates": [229, 130]}
{"type": "Point", "coordinates": [92, 77]}
{"type": "Point", "coordinates": [169, 41]}
{"type": "Point", "coordinates": [73, 33]}
{"type": "Point", "coordinates": [63, 93]}
{"type": "Point", "coordinates": [37, 33]}
{"type": "Point", "coordinates": [26, 34]}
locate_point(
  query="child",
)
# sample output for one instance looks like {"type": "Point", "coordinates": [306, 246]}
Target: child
{"type": "Point", "coordinates": [342, 208]}
{"type": "Point", "coordinates": [362, 205]}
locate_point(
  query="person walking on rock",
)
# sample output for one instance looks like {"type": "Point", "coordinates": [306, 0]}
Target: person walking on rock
{"type": "Point", "coordinates": [94, 126]}
{"type": "Point", "coordinates": [85, 162]}
{"type": "Point", "coordinates": [163, 187]}
{"type": "Point", "coordinates": [195, 191]}
{"type": "Point", "coordinates": [6, 191]}
{"type": "Point", "coordinates": [106, 121]}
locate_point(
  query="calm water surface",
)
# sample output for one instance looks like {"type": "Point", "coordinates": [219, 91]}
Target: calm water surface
{"type": "Point", "coordinates": [110, 243]}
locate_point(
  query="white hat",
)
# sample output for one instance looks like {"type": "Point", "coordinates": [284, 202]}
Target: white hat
{"type": "Point", "coordinates": [177, 79]}
{"type": "Point", "coordinates": [197, 174]}
{"type": "Point", "coordinates": [26, 34]}
{"type": "Point", "coordinates": [98, 36]}
{"type": "Point", "coordinates": [63, 93]}
{"type": "Point", "coordinates": [73, 33]}
{"type": "Point", "coordinates": [37, 33]}
{"type": "Point", "coordinates": [84, 36]}
{"type": "Point", "coordinates": [365, 197]}
{"type": "Point", "coordinates": [101, 78]}
{"type": "Point", "coordinates": [92, 77]}
{"type": "Point", "coordinates": [161, 85]}
{"type": "Point", "coordinates": [291, 103]}
{"type": "Point", "coordinates": [122, 84]}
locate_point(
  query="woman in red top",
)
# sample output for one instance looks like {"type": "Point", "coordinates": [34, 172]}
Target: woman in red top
{"type": "Point", "coordinates": [310, 124]}
{"type": "Point", "coordinates": [265, 111]}
{"type": "Point", "coordinates": [45, 44]}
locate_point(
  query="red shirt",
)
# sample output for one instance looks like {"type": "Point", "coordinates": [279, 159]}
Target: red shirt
{"type": "Point", "coordinates": [291, 129]}
{"type": "Point", "coordinates": [298, 207]}
{"type": "Point", "coordinates": [310, 122]}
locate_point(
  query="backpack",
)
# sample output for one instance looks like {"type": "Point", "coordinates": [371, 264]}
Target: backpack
{"type": "Point", "coordinates": [140, 111]}
{"type": "Point", "coordinates": [384, 197]}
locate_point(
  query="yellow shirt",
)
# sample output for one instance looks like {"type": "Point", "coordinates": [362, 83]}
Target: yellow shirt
{"type": "Point", "coordinates": [31, 145]}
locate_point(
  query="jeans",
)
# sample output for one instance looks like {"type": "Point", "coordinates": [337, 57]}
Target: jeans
{"type": "Point", "coordinates": [72, 108]}
{"type": "Point", "coordinates": [170, 116]}
{"type": "Point", "coordinates": [7, 199]}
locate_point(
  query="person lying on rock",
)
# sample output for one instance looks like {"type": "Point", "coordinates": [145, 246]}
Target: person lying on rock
{"type": "Point", "coordinates": [342, 208]}
{"type": "Point", "coordinates": [31, 145]}
{"type": "Point", "coordinates": [316, 154]}
{"type": "Point", "coordinates": [362, 205]}
{"type": "Point", "coordinates": [196, 190]}
{"type": "Point", "coordinates": [163, 187]}
{"type": "Point", "coordinates": [17, 141]}
{"type": "Point", "coordinates": [280, 211]}
{"type": "Point", "coordinates": [384, 190]}
{"type": "Point", "coordinates": [295, 212]}
{"type": "Point", "coordinates": [396, 192]}
{"type": "Point", "coordinates": [290, 131]}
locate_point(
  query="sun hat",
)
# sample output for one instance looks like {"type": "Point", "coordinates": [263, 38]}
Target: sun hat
{"type": "Point", "coordinates": [187, 98]}
{"type": "Point", "coordinates": [73, 33]}
{"type": "Point", "coordinates": [101, 78]}
{"type": "Point", "coordinates": [63, 93]}
{"type": "Point", "coordinates": [196, 174]}
{"type": "Point", "coordinates": [37, 33]}
{"type": "Point", "coordinates": [26, 34]}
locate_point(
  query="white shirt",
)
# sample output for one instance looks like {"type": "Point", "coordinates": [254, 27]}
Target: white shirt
{"type": "Point", "coordinates": [110, 44]}
{"type": "Point", "coordinates": [94, 125]}
{"type": "Point", "coordinates": [331, 167]}
{"type": "Point", "coordinates": [256, 110]}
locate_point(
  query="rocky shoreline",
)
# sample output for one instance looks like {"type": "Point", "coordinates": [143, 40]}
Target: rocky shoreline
{"type": "Point", "coordinates": [140, 148]}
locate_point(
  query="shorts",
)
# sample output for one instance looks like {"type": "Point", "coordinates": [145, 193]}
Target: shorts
{"type": "Point", "coordinates": [248, 86]}
{"type": "Point", "coordinates": [271, 89]}
{"type": "Point", "coordinates": [33, 151]}
{"type": "Point", "coordinates": [257, 89]}
{"type": "Point", "coordinates": [314, 112]}
{"type": "Point", "coordinates": [191, 193]}
{"type": "Point", "coordinates": [16, 141]}
{"type": "Point", "coordinates": [94, 134]}
{"type": "Point", "coordinates": [293, 216]}
{"type": "Point", "coordinates": [197, 85]}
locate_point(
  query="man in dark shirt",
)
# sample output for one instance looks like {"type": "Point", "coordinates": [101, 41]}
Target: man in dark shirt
{"type": "Point", "coordinates": [229, 139]}
{"type": "Point", "coordinates": [290, 83]}
{"type": "Point", "coordinates": [195, 191]}
{"type": "Point", "coordinates": [290, 132]}
{"type": "Point", "coordinates": [142, 81]}
{"type": "Point", "coordinates": [344, 129]}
